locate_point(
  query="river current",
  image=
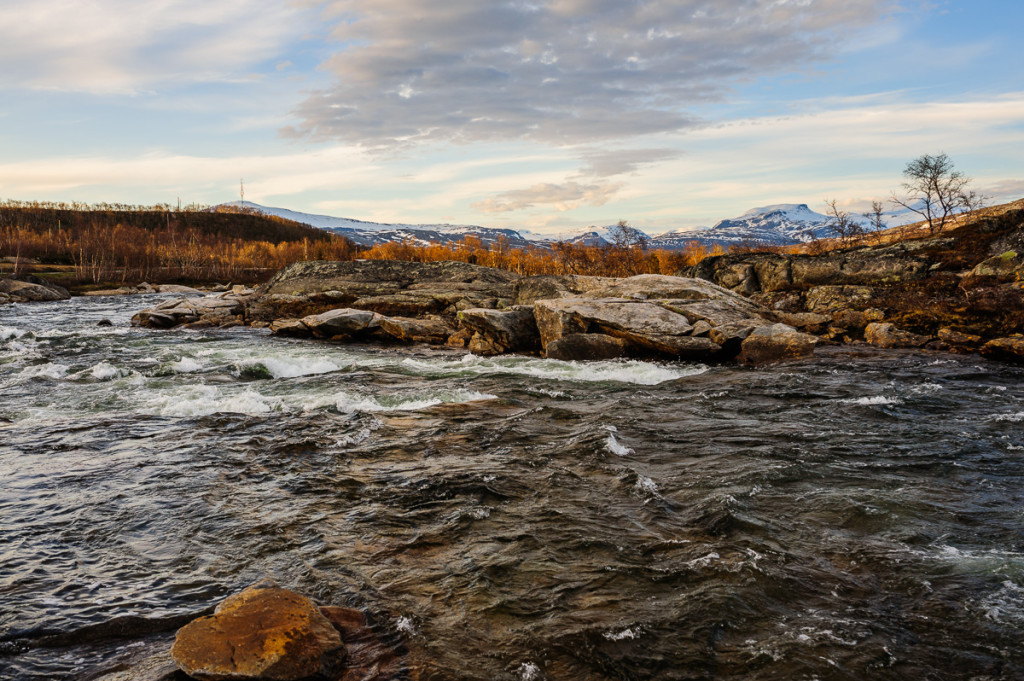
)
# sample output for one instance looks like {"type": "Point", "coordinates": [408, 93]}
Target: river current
{"type": "Point", "coordinates": [855, 515]}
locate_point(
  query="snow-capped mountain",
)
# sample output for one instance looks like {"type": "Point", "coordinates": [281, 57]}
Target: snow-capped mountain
{"type": "Point", "coordinates": [370, 233]}
{"type": "Point", "coordinates": [778, 225]}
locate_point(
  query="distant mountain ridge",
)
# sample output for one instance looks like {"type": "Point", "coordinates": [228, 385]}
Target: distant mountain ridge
{"type": "Point", "coordinates": [775, 225]}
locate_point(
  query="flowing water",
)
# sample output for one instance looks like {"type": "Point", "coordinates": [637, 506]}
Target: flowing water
{"type": "Point", "coordinates": [851, 516]}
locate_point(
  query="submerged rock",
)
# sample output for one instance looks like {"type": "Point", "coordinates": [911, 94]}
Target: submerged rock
{"type": "Point", "coordinates": [264, 632]}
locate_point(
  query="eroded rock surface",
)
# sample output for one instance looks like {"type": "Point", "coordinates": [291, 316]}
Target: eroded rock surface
{"type": "Point", "coordinates": [25, 288]}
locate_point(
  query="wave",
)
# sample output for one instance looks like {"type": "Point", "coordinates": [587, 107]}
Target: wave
{"type": "Point", "coordinates": [615, 371]}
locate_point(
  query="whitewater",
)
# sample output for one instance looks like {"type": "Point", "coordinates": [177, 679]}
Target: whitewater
{"type": "Point", "coordinates": [853, 515]}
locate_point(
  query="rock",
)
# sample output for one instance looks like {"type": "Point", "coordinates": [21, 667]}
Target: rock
{"type": "Point", "coordinates": [344, 322]}
{"type": "Point", "coordinates": [810, 321]}
{"type": "Point", "coordinates": [388, 287]}
{"type": "Point", "coordinates": [827, 299]}
{"type": "Point", "coordinates": [5, 299]}
{"type": "Point", "coordinates": [957, 339]}
{"type": "Point", "coordinates": [177, 288]}
{"type": "Point", "coordinates": [292, 328]}
{"type": "Point", "coordinates": [614, 316]}
{"type": "Point", "coordinates": [104, 322]}
{"type": "Point", "coordinates": [496, 332]}
{"type": "Point", "coordinates": [1008, 266]}
{"type": "Point", "coordinates": [264, 632]}
{"type": "Point", "coordinates": [774, 343]}
{"type": "Point", "coordinates": [25, 288]}
{"type": "Point", "coordinates": [586, 346]}
{"type": "Point", "coordinates": [367, 657]}
{"type": "Point", "coordinates": [429, 331]}
{"type": "Point", "coordinates": [1009, 349]}
{"type": "Point", "coordinates": [856, 320]}
{"type": "Point", "coordinates": [886, 335]}
{"type": "Point", "coordinates": [215, 310]}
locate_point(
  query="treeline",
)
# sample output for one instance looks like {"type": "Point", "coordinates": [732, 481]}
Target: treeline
{"type": "Point", "coordinates": [555, 258]}
{"type": "Point", "coordinates": [123, 244]}
{"type": "Point", "coordinates": [117, 243]}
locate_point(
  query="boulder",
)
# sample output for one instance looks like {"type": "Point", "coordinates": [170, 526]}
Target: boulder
{"type": "Point", "coordinates": [957, 339]}
{"type": "Point", "coordinates": [586, 346]}
{"type": "Point", "coordinates": [886, 335]}
{"type": "Point", "coordinates": [215, 310]}
{"type": "Point", "coordinates": [774, 343]}
{"type": "Point", "coordinates": [292, 328]}
{"type": "Point", "coordinates": [828, 299]}
{"type": "Point", "coordinates": [263, 632]}
{"type": "Point", "coordinates": [1007, 266]}
{"type": "Point", "coordinates": [1009, 349]}
{"type": "Point", "coordinates": [344, 322]}
{"type": "Point", "coordinates": [406, 330]}
{"type": "Point", "coordinates": [25, 288]}
{"type": "Point", "coordinates": [495, 332]}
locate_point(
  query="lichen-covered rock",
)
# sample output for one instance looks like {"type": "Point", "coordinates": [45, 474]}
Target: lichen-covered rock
{"type": "Point", "coordinates": [774, 343]}
{"type": "Point", "coordinates": [292, 328]}
{"type": "Point", "coordinates": [1007, 266]}
{"type": "Point", "coordinates": [886, 335]}
{"type": "Point", "coordinates": [263, 632]}
{"type": "Point", "coordinates": [959, 339]}
{"type": "Point", "coordinates": [496, 332]}
{"type": "Point", "coordinates": [1009, 349]}
{"type": "Point", "coordinates": [215, 310]}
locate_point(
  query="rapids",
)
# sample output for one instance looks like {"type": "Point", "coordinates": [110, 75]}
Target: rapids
{"type": "Point", "coordinates": [856, 515]}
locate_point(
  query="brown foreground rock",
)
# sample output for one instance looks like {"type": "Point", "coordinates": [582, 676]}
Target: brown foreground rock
{"type": "Point", "coordinates": [263, 632]}
{"type": "Point", "coordinates": [1009, 349]}
{"type": "Point", "coordinates": [886, 335]}
{"type": "Point", "coordinates": [774, 343]}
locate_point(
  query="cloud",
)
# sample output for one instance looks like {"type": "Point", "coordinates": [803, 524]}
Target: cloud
{"type": "Point", "coordinates": [621, 161]}
{"type": "Point", "coordinates": [124, 46]}
{"type": "Point", "coordinates": [561, 197]}
{"type": "Point", "coordinates": [555, 71]}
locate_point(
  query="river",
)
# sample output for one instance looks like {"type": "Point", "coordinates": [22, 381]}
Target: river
{"type": "Point", "coordinates": [855, 515]}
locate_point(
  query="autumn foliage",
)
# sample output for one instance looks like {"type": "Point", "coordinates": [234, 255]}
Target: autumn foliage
{"type": "Point", "coordinates": [122, 244]}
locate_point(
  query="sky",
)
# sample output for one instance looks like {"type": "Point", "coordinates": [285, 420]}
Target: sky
{"type": "Point", "coordinates": [546, 115]}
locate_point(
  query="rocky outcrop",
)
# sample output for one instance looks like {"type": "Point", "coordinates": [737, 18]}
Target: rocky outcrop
{"type": "Point", "coordinates": [391, 288]}
{"type": "Point", "coordinates": [145, 288]}
{"type": "Point", "coordinates": [342, 324]}
{"type": "Point", "coordinates": [586, 346]}
{"type": "Point", "coordinates": [25, 288]}
{"type": "Point", "coordinates": [264, 632]}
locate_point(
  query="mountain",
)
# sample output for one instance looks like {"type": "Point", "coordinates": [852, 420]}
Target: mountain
{"type": "Point", "coordinates": [778, 225]}
{"type": "Point", "coordinates": [371, 233]}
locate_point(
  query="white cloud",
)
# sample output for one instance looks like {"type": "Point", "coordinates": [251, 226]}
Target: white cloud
{"type": "Point", "coordinates": [125, 46]}
{"type": "Point", "coordinates": [560, 197]}
{"type": "Point", "coordinates": [556, 71]}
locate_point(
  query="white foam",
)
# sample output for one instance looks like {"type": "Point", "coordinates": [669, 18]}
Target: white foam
{"type": "Point", "coordinates": [616, 447]}
{"type": "Point", "coordinates": [1015, 418]}
{"type": "Point", "coordinates": [105, 371]}
{"type": "Point", "coordinates": [645, 486]}
{"type": "Point", "coordinates": [622, 635]}
{"type": "Point", "coordinates": [52, 371]}
{"type": "Point", "coordinates": [876, 400]}
{"type": "Point", "coordinates": [406, 625]}
{"type": "Point", "coordinates": [9, 332]}
{"type": "Point", "coordinates": [528, 671]}
{"type": "Point", "coordinates": [186, 365]}
{"type": "Point", "coordinates": [632, 371]}
{"type": "Point", "coordinates": [286, 368]}
{"type": "Point", "coordinates": [347, 402]}
{"type": "Point", "coordinates": [206, 400]}
{"type": "Point", "coordinates": [1005, 605]}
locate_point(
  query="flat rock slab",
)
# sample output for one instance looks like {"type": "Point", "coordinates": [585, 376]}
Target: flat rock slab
{"type": "Point", "coordinates": [264, 632]}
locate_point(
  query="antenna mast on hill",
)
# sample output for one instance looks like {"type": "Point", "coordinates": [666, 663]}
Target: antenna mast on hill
{"type": "Point", "coordinates": [241, 189]}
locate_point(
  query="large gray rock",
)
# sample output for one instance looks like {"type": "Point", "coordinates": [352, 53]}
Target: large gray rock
{"type": "Point", "coordinates": [403, 329]}
{"type": "Point", "coordinates": [653, 314]}
{"type": "Point", "coordinates": [26, 288]}
{"type": "Point", "coordinates": [344, 323]}
{"type": "Point", "coordinates": [217, 310]}
{"type": "Point", "coordinates": [586, 346]}
{"type": "Point", "coordinates": [388, 287]}
{"type": "Point", "coordinates": [495, 332]}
